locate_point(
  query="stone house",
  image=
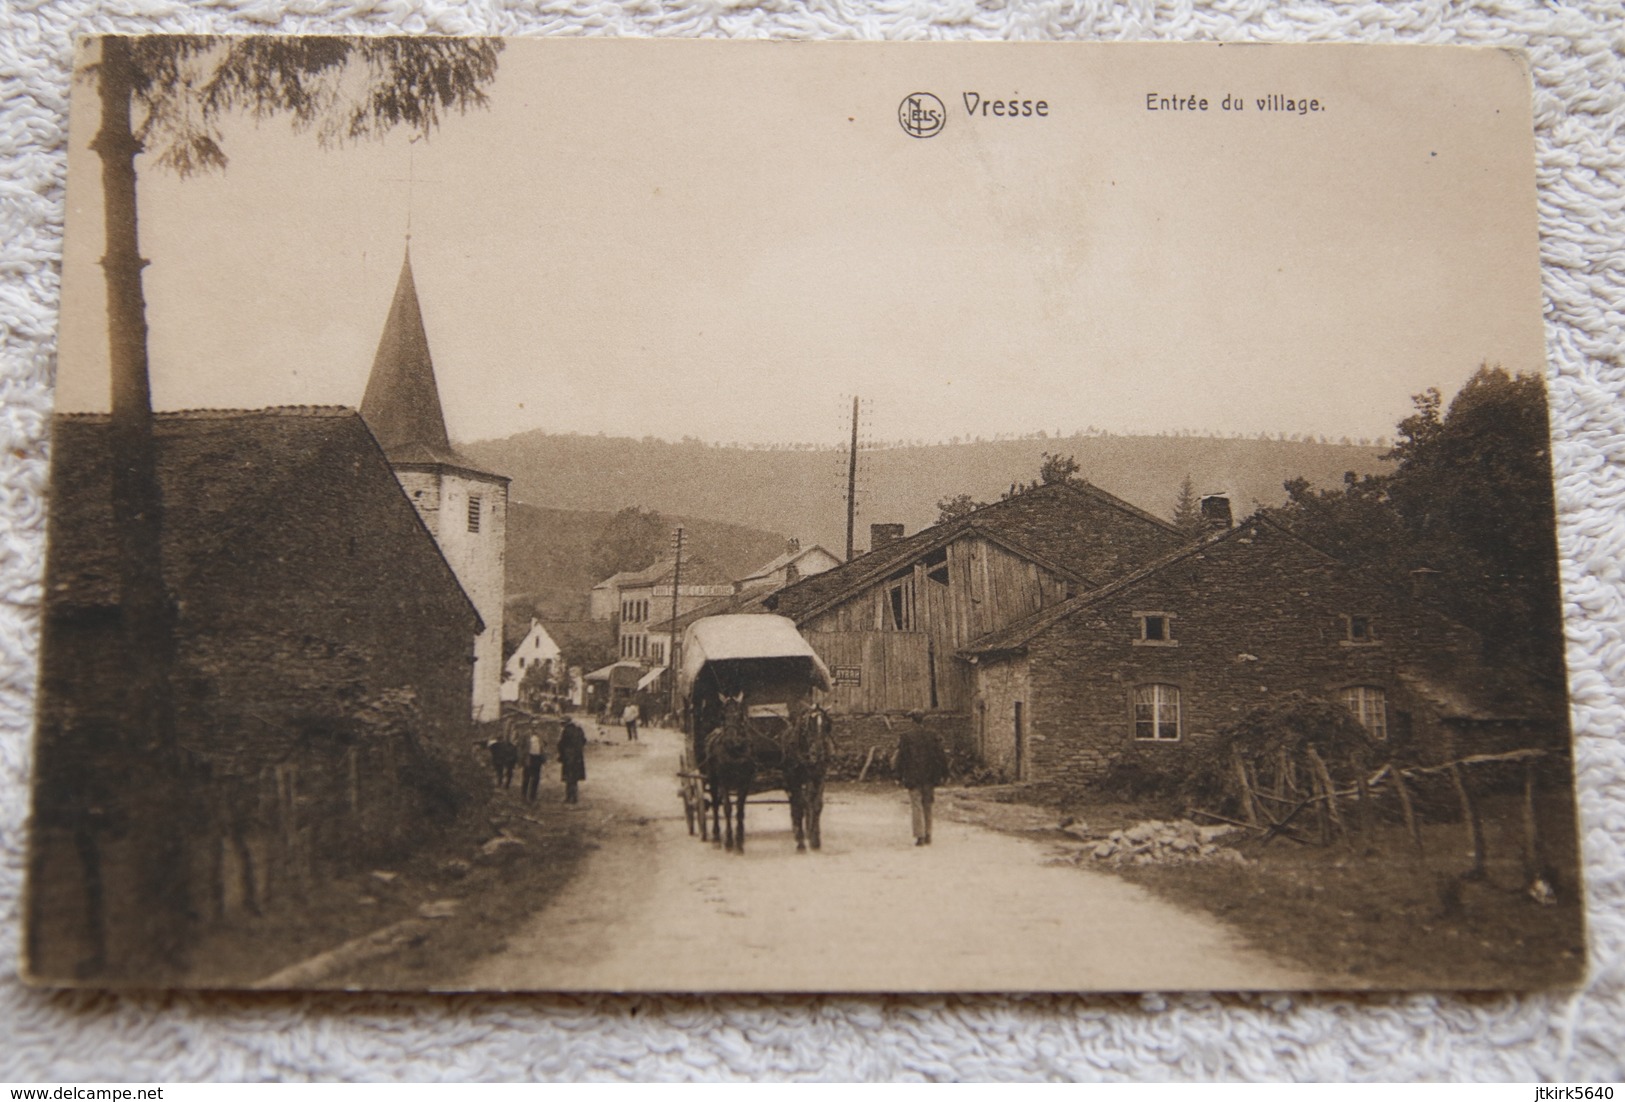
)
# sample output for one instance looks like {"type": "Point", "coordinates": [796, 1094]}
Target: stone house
{"type": "Point", "coordinates": [323, 649]}
{"type": "Point", "coordinates": [1162, 658]}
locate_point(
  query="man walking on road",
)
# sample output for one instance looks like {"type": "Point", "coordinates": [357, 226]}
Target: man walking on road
{"type": "Point", "coordinates": [572, 758]}
{"type": "Point", "coordinates": [630, 716]}
{"type": "Point", "coordinates": [921, 766]}
{"type": "Point", "coordinates": [535, 758]}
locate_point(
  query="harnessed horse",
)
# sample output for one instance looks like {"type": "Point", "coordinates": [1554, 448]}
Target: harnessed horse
{"type": "Point", "coordinates": [741, 750]}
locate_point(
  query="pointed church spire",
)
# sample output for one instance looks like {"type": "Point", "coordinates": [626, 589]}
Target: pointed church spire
{"type": "Point", "coordinates": [402, 403]}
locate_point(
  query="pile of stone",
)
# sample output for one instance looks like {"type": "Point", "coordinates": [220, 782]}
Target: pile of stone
{"type": "Point", "coordinates": [1154, 842]}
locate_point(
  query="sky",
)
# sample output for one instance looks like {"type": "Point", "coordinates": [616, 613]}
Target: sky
{"type": "Point", "coordinates": [728, 240]}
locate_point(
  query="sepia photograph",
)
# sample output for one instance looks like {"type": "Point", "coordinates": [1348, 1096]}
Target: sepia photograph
{"type": "Point", "coordinates": [699, 516]}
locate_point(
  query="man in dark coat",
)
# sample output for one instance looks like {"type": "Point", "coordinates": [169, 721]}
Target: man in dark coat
{"type": "Point", "coordinates": [921, 766]}
{"type": "Point", "coordinates": [572, 758]}
{"type": "Point", "coordinates": [503, 757]}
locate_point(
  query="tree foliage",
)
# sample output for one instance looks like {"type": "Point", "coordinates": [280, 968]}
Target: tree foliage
{"type": "Point", "coordinates": [1187, 514]}
{"type": "Point", "coordinates": [959, 505]}
{"type": "Point", "coordinates": [632, 540]}
{"type": "Point", "coordinates": [345, 89]}
{"type": "Point", "coordinates": [1471, 498]}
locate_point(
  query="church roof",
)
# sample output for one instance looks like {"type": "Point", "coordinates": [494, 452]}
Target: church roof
{"type": "Point", "coordinates": [402, 402]}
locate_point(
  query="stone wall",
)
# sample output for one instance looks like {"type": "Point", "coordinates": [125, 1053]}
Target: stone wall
{"type": "Point", "coordinates": [856, 735]}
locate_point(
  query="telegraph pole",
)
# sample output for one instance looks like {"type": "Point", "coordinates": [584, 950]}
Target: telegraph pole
{"type": "Point", "coordinates": [677, 541]}
{"type": "Point", "coordinates": [852, 482]}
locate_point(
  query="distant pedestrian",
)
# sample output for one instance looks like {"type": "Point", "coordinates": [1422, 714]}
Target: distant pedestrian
{"type": "Point", "coordinates": [630, 716]}
{"type": "Point", "coordinates": [535, 758]}
{"type": "Point", "coordinates": [921, 766]}
{"type": "Point", "coordinates": [572, 758]}
{"type": "Point", "coordinates": [504, 755]}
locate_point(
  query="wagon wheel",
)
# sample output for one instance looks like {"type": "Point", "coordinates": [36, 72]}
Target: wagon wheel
{"type": "Point", "coordinates": [692, 794]}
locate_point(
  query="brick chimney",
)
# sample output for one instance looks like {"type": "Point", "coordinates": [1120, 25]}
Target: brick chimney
{"type": "Point", "coordinates": [882, 534]}
{"type": "Point", "coordinates": [792, 545]}
{"type": "Point", "coordinates": [1216, 513]}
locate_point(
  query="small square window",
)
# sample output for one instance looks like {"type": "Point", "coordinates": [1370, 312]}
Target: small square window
{"type": "Point", "coordinates": [1358, 630]}
{"type": "Point", "coordinates": [1156, 629]}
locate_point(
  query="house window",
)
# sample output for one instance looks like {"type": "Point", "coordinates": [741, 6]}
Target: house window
{"type": "Point", "coordinates": [1358, 629]}
{"type": "Point", "coordinates": [1156, 713]}
{"type": "Point", "coordinates": [1156, 629]}
{"type": "Point", "coordinates": [473, 512]}
{"type": "Point", "coordinates": [657, 651]}
{"type": "Point", "coordinates": [1370, 706]}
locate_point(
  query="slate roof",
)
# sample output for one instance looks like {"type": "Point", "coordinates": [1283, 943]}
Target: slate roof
{"type": "Point", "coordinates": [402, 400]}
{"type": "Point", "coordinates": [235, 485]}
{"type": "Point", "coordinates": [1075, 529]}
{"type": "Point", "coordinates": [696, 571]}
{"type": "Point", "coordinates": [785, 559]}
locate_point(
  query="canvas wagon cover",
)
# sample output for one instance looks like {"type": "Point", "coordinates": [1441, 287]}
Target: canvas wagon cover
{"type": "Point", "coordinates": [743, 636]}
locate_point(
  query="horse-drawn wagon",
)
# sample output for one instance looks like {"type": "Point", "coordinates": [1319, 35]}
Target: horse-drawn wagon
{"type": "Point", "coordinates": [752, 724]}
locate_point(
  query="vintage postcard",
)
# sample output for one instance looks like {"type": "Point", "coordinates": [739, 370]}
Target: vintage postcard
{"type": "Point", "coordinates": [709, 516]}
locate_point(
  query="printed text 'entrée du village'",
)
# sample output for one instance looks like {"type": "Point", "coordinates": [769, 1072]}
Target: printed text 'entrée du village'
{"type": "Point", "coordinates": [1274, 102]}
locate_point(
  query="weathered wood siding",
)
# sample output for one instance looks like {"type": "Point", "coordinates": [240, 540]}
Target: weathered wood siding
{"type": "Point", "coordinates": [987, 588]}
{"type": "Point", "coordinates": [893, 670]}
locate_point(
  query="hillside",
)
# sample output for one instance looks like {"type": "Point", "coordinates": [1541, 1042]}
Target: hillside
{"type": "Point", "coordinates": [800, 492]}
{"type": "Point", "coordinates": [549, 549]}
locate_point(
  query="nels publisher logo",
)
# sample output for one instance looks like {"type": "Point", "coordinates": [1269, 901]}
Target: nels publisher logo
{"type": "Point", "coordinates": [921, 115]}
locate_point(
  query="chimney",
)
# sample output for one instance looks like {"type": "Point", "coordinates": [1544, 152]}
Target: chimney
{"type": "Point", "coordinates": [882, 534]}
{"type": "Point", "coordinates": [1216, 513]}
{"type": "Point", "coordinates": [792, 545]}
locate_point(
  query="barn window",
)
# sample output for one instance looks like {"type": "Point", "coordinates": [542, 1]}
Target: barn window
{"type": "Point", "coordinates": [936, 566]}
{"type": "Point", "coordinates": [473, 512]}
{"type": "Point", "coordinates": [897, 604]}
{"type": "Point", "coordinates": [1156, 629]}
{"type": "Point", "coordinates": [1358, 629]}
{"type": "Point", "coordinates": [1370, 706]}
{"type": "Point", "coordinates": [1156, 713]}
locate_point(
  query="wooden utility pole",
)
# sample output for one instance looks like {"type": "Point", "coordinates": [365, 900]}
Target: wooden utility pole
{"type": "Point", "coordinates": [852, 482]}
{"type": "Point", "coordinates": [677, 541]}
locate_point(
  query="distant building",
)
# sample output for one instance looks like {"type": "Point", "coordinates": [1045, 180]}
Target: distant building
{"type": "Point", "coordinates": [645, 597]}
{"type": "Point", "coordinates": [795, 563]}
{"type": "Point", "coordinates": [536, 649]}
{"type": "Point", "coordinates": [464, 507]}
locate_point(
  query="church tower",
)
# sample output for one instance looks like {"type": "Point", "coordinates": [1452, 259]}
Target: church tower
{"type": "Point", "coordinates": [465, 508]}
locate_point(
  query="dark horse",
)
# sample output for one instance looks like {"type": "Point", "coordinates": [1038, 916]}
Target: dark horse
{"type": "Point", "coordinates": [740, 751]}
{"type": "Point", "coordinates": [735, 751]}
{"type": "Point", "coordinates": [808, 745]}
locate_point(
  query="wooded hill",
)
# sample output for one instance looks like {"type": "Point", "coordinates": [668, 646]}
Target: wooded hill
{"type": "Point", "coordinates": [550, 551]}
{"type": "Point", "coordinates": [801, 492]}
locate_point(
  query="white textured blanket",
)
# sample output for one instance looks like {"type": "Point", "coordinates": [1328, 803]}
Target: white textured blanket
{"type": "Point", "coordinates": [1577, 53]}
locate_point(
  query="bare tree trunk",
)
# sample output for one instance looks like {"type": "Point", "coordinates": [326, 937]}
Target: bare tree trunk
{"type": "Point", "coordinates": [153, 787]}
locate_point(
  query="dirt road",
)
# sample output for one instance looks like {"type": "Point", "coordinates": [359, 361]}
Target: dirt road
{"type": "Point", "coordinates": [655, 909]}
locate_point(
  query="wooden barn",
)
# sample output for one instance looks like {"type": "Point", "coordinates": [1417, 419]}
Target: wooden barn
{"type": "Point", "coordinates": [890, 624]}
